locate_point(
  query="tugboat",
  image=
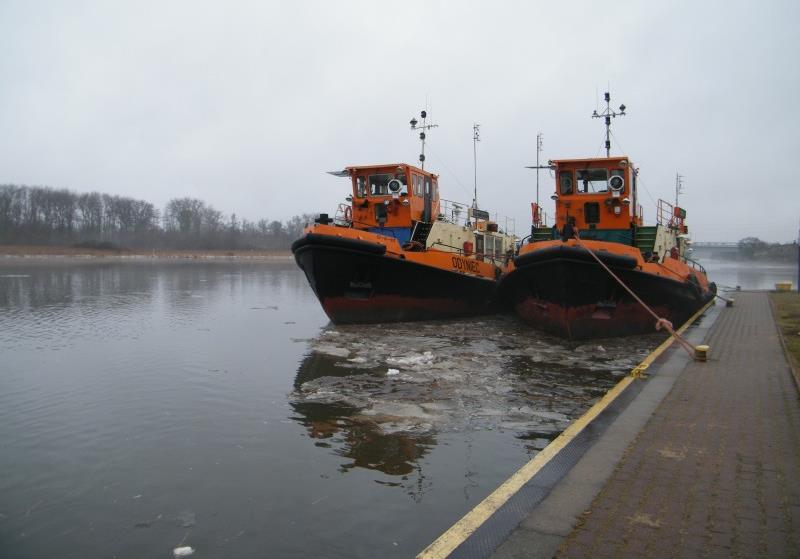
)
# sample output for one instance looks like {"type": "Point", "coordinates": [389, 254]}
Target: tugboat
{"type": "Point", "coordinates": [567, 279]}
{"type": "Point", "coordinates": [397, 252]}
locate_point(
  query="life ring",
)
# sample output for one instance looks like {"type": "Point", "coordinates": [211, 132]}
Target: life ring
{"type": "Point", "coordinates": [348, 214]}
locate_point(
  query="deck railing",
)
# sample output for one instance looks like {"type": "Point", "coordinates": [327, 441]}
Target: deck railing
{"type": "Point", "coordinates": [457, 213]}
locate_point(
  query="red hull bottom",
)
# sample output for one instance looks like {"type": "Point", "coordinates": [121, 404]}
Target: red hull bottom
{"type": "Point", "coordinates": [396, 308]}
{"type": "Point", "coordinates": [587, 321]}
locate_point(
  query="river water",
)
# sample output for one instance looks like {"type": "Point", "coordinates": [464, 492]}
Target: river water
{"type": "Point", "coordinates": [748, 274]}
{"type": "Point", "coordinates": [146, 405]}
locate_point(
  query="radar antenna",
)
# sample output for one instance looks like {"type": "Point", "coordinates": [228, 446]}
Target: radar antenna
{"type": "Point", "coordinates": [423, 127]}
{"type": "Point", "coordinates": [608, 114]}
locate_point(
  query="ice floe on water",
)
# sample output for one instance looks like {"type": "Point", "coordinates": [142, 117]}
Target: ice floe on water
{"type": "Point", "coordinates": [455, 376]}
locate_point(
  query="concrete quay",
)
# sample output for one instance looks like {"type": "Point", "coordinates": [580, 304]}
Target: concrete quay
{"type": "Point", "coordinates": [716, 470]}
{"type": "Point", "coordinates": [698, 460]}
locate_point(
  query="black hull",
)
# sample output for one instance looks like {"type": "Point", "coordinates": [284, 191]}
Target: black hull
{"type": "Point", "coordinates": [575, 298]}
{"type": "Point", "coordinates": [357, 283]}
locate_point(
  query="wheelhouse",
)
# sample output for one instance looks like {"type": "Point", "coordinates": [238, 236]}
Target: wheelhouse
{"type": "Point", "coordinates": [596, 194]}
{"type": "Point", "coordinates": [390, 199]}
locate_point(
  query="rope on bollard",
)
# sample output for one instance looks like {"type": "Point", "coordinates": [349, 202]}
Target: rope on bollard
{"type": "Point", "coordinates": [660, 321]}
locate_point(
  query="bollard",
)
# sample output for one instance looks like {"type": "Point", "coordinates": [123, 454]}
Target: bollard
{"type": "Point", "coordinates": [729, 302]}
{"type": "Point", "coordinates": [639, 372]}
{"type": "Point", "coordinates": [701, 352]}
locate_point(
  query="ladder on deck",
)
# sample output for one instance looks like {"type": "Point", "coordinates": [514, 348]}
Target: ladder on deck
{"type": "Point", "coordinates": [421, 231]}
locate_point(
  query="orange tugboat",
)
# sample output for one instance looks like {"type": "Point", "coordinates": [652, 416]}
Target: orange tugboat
{"type": "Point", "coordinates": [397, 252]}
{"type": "Point", "coordinates": [589, 275]}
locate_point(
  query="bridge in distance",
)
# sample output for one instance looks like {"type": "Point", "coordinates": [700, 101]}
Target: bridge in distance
{"type": "Point", "coordinates": [715, 247]}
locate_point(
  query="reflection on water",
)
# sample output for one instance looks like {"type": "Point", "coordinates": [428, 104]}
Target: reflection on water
{"type": "Point", "coordinates": [748, 274]}
{"type": "Point", "coordinates": [380, 396]}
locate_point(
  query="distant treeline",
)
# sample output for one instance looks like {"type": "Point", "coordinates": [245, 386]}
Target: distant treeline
{"type": "Point", "coordinates": [43, 215]}
{"type": "Point", "coordinates": [755, 248]}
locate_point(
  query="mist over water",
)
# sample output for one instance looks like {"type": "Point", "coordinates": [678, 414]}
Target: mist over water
{"type": "Point", "coordinates": [150, 405]}
{"type": "Point", "coordinates": [747, 274]}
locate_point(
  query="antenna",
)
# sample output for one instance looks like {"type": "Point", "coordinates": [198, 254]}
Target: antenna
{"type": "Point", "coordinates": [476, 137]}
{"type": "Point", "coordinates": [538, 166]}
{"type": "Point", "coordinates": [678, 187]}
{"type": "Point", "coordinates": [539, 137]}
{"type": "Point", "coordinates": [423, 127]}
{"type": "Point", "coordinates": [608, 114]}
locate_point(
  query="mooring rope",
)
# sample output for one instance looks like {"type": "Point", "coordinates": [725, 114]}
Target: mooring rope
{"type": "Point", "coordinates": [661, 322]}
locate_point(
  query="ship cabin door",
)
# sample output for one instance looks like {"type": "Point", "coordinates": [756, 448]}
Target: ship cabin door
{"type": "Point", "coordinates": [427, 196]}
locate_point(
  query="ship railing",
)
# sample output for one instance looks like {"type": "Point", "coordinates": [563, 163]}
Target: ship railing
{"type": "Point", "coordinates": [666, 215]}
{"type": "Point", "coordinates": [664, 212]}
{"type": "Point", "coordinates": [695, 265]}
{"type": "Point", "coordinates": [453, 212]}
{"type": "Point", "coordinates": [457, 213]}
{"type": "Point", "coordinates": [343, 216]}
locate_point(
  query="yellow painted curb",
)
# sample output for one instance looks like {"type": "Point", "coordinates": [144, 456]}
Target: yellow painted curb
{"type": "Point", "coordinates": [461, 530]}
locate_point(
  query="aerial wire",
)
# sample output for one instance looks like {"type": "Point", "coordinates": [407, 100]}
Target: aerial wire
{"type": "Point", "coordinates": [641, 182]}
{"type": "Point", "coordinates": [449, 170]}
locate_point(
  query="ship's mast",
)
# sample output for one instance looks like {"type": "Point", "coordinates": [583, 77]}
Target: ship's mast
{"type": "Point", "coordinates": [608, 114]}
{"type": "Point", "coordinates": [476, 137]}
{"type": "Point", "coordinates": [678, 187]}
{"type": "Point", "coordinates": [423, 127]}
{"type": "Point", "coordinates": [538, 166]}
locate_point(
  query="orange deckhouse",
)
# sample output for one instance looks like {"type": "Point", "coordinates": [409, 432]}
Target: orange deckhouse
{"type": "Point", "coordinates": [556, 284]}
{"type": "Point", "coordinates": [392, 197]}
{"type": "Point", "coordinates": [397, 251]}
{"type": "Point", "coordinates": [598, 194]}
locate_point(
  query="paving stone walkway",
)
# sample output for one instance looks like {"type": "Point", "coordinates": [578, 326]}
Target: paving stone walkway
{"type": "Point", "coordinates": [716, 470]}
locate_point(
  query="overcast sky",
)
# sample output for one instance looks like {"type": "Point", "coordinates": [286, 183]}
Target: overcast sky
{"type": "Point", "coordinates": [247, 104]}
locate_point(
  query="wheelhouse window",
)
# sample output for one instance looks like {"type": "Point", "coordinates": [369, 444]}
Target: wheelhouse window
{"type": "Point", "coordinates": [435, 190]}
{"type": "Point", "coordinates": [565, 182]}
{"type": "Point", "coordinates": [361, 187]}
{"type": "Point", "coordinates": [379, 184]}
{"type": "Point", "coordinates": [592, 180]}
{"type": "Point", "coordinates": [417, 185]}
{"type": "Point", "coordinates": [386, 184]}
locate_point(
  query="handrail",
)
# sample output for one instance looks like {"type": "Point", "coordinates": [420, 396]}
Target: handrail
{"type": "Point", "coordinates": [522, 243]}
{"type": "Point", "coordinates": [457, 249]}
{"type": "Point", "coordinates": [695, 264]}
{"type": "Point", "coordinates": [450, 211]}
{"type": "Point", "coordinates": [666, 215]}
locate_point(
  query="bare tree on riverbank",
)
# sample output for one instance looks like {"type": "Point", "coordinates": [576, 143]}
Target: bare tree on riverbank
{"type": "Point", "coordinates": [753, 248]}
{"type": "Point", "coordinates": [43, 215]}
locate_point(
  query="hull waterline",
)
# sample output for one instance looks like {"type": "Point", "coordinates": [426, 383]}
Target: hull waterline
{"type": "Point", "coordinates": [578, 299]}
{"type": "Point", "coordinates": [356, 282]}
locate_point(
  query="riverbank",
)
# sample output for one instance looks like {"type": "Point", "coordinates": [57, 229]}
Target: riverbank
{"type": "Point", "coordinates": [786, 308]}
{"type": "Point", "coordinates": [33, 253]}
